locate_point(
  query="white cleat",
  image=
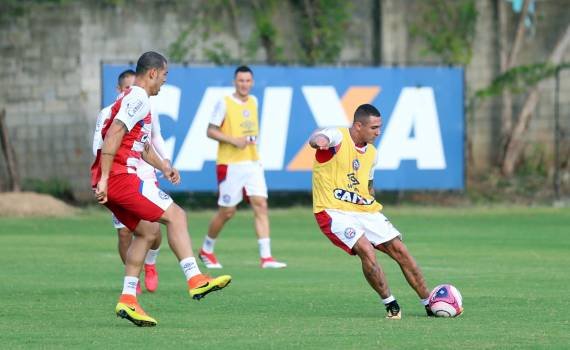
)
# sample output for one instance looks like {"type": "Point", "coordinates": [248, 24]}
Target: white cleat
{"type": "Point", "coordinates": [270, 263]}
{"type": "Point", "coordinates": [209, 260]}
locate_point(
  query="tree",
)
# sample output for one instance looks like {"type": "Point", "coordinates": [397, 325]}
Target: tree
{"type": "Point", "coordinates": [515, 144]}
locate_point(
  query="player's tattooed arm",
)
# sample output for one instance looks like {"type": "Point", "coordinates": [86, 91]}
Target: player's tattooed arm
{"type": "Point", "coordinates": [150, 156]}
{"type": "Point", "coordinates": [371, 188]}
{"type": "Point", "coordinates": [111, 144]}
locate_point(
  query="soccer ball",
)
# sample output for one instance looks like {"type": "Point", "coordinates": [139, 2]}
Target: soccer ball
{"type": "Point", "coordinates": [446, 301]}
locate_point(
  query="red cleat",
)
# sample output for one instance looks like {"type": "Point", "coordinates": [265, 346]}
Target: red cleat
{"type": "Point", "coordinates": [150, 277]}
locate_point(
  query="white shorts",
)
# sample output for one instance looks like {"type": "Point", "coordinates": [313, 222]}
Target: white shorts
{"type": "Point", "coordinates": [345, 228]}
{"type": "Point", "coordinates": [116, 223]}
{"type": "Point", "coordinates": [235, 180]}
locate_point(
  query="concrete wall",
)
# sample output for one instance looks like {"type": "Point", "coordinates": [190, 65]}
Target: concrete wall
{"type": "Point", "coordinates": [50, 69]}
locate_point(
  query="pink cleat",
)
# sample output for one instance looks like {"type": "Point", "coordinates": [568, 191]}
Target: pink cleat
{"type": "Point", "coordinates": [150, 277]}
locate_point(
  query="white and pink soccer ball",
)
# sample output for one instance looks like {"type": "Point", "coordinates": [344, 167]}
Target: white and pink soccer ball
{"type": "Point", "coordinates": [446, 301]}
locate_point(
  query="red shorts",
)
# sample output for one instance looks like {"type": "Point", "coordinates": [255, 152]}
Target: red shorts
{"type": "Point", "coordinates": [133, 200]}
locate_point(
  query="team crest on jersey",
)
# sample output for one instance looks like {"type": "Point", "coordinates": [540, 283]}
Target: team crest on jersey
{"type": "Point", "coordinates": [355, 164]}
{"type": "Point", "coordinates": [226, 198]}
{"type": "Point", "coordinates": [163, 195]}
{"type": "Point", "coordinates": [349, 232]}
{"type": "Point", "coordinates": [246, 113]}
{"type": "Point", "coordinates": [133, 107]}
{"type": "Point", "coordinates": [351, 197]}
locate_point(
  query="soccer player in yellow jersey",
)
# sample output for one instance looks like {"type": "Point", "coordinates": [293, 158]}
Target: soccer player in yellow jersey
{"type": "Point", "coordinates": [346, 210]}
{"type": "Point", "coordinates": [235, 126]}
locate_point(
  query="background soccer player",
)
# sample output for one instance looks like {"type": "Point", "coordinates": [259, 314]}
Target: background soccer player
{"type": "Point", "coordinates": [345, 207]}
{"type": "Point", "coordinates": [141, 204]}
{"type": "Point", "coordinates": [145, 172]}
{"type": "Point", "coordinates": [235, 125]}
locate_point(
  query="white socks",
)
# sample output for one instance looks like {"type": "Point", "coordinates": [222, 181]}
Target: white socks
{"type": "Point", "coordinates": [425, 302]}
{"type": "Point", "coordinates": [208, 245]}
{"type": "Point", "coordinates": [264, 248]}
{"type": "Point", "coordinates": [151, 256]}
{"type": "Point", "coordinates": [189, 267]}
{"type": "Point", "coordinates": [130, 285]}
{"type": "Point", "coordinates": [388, 300]}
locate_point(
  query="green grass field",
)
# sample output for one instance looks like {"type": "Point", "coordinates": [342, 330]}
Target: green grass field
{"type": "Point", "coordinates": [60, 280]}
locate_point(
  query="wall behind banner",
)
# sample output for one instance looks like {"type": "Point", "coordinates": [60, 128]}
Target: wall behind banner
{"type": "Point", "coordinates": [422, 140]}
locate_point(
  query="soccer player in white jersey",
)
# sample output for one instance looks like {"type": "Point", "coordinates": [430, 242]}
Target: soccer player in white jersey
{"type": "Point", "coordinates": [141, 205]}
{"type": "Point", "coordinates": [145, 172]}
{"type": "Point", "coordinates": [234, 125]}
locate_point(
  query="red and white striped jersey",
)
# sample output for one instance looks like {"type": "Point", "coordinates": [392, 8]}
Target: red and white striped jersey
{"type": "Point", "coordinates": [145, 171]}
{"type": "Point", "coordinates": [133, 109]}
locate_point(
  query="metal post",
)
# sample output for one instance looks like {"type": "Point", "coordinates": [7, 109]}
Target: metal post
{"type": "Point", "coordinates": [557, 136]}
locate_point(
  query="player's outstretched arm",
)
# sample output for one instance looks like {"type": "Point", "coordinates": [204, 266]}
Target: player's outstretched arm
{"type": "Point", "coordinates": [319, 141]}
{"type": "Point", "coordinates": [111, 144]}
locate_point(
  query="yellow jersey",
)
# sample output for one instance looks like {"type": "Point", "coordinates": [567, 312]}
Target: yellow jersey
{"type": "Point", "coordinates": [340, 177]}
{"type": "Point", "coordinates": [240, 120]}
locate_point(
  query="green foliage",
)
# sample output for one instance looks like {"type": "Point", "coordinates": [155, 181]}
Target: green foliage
{"type": "Point", "coordinates": [55, 187]}
{"type": "Point", "coordinates": [219, 54]}
{"type": "Point", "coordinates": [448, 28]}
{"type": "Point", "coordinates": [178, 50]}
{"type": "Point", "coordinates": [210, 17]}
{"type": "Point", "coordinates": [265, 33]}
{"type": "Point", "coordinates": [322, 30]}
{"type": "Point", "coordinates": [11, 9]}
{"type": "Point", "coordinates": [519, 79]}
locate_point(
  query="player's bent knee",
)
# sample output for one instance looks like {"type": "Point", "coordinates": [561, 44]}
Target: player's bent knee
{"type": "Point", "coordinates": [227, 212]}
{"type": "Point", "coordinates": [147, 230]}
{"type": "Point", "coordinates": [172, 214]}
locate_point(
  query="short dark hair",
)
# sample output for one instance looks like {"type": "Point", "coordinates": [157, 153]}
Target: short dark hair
{"type": "Point", "coordinates": [150, 60]}
{"type": "Point", "coordinates": [243, 69]}
{"type": "Point", "coordinates": [365, 111]}
{"type": "Point", "coordinates": [124, 75]}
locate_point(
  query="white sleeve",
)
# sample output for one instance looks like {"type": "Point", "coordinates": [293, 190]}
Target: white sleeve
{"type": "Point", "coordinates": [134, 107]}
{"type": "Point", "coordinates": [104, 114]}
{"type": "Point", "coordinates": [219, 113]}
{"type": "Point", "coordinates": [156, 137]}
{"type": "Point", "coordinates": [371, 176]}
{"type": "Point", "coordinates": [333, 134]}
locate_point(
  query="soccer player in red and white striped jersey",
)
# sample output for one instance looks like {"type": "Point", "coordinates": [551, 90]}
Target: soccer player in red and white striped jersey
{"type": "Point", "coordinates": [138, 204]}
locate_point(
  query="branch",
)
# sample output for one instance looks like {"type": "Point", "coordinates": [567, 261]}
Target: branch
{"type": "Point", "coordinates": [518, 38]}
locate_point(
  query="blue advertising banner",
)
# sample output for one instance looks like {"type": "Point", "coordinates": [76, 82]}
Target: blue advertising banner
{"type": "Point", "coordinates": [421, 145]}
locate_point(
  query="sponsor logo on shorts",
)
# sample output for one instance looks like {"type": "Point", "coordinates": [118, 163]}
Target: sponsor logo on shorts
{"type": "Point", "coordinates": [133, 107]}
{"type": "Point", "coordinates": [349, 232]}
{"type": "Point", "coordinates": [351, 197]}
{"type": "Point", "coordinates": [144, 138]}
{"type": "Point", "coordinates": [355, 164]}
{"type": "Point", "coordinates": [226, 198]}
{"type": "Point", "coordinates": [162, 194]}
